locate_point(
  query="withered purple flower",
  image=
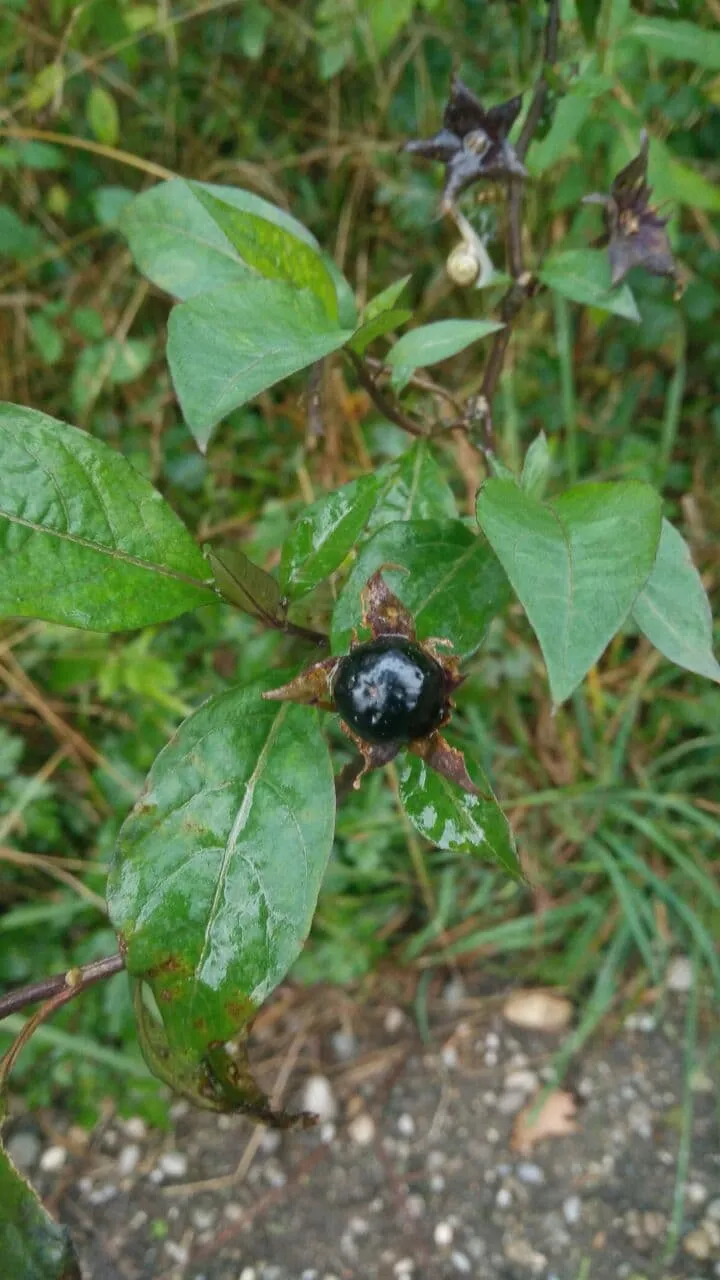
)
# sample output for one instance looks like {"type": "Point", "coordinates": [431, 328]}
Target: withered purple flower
{"type": "Point", "coordinates": [392, 692]}
{"type": "Point", "coordinates": [473, 143]}
{"type": "Point", "coordinates": [636, 234]}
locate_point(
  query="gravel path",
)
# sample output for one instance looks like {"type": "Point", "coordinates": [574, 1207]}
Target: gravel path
{"type": "Point", "coordinates": [428, 1163]}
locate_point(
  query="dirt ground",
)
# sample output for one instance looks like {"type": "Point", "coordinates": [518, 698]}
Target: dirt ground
{"type": "Point", "coordinates": [428, 1163]}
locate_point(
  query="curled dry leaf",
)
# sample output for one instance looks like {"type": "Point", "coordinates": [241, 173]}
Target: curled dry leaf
{"type": "Point", "coordinates": [538, 1010]}
{"type": "Point", "coordinates": [554, 1118]}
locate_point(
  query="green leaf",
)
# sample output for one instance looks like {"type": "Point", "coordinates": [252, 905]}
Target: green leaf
{"type": "Point", "coordinates": [673, 610]}
{"type": "Point", "coordinates": [245, 584]}
{"type": "Point", "coordinates": [218, 867]}
{"type": "Point", "coordinates": [34, 1247]}
{"type": "Point", "coordinates": [453, 819]}
{"type": "Point", "coordinates": [583, 275]}
{"type": "Point", "coordinates": [385, 300]}
{"type": "Point", "coordinates": [430, 343]}
{"type": "Point", "coordinates": [385, 322]}
{"type": "Point", "coordinates": [85, 540]}
{"type": "Point", "coordinates": [18, 242]}
{"type": "Point", "coordinates": [570, 115]}
{"type": "Point", "coordinates": [227, 346]}
{"type": "Point", "coordinates": [103, 116]}
{"type": "Point", "coordinates": [324, 534]}
{"type": "Point", "coordinates": [682, 41]}
{"type": "Point", "coordinates": [588, 12]}
{"type": "Point", "coordinates": [536, 467]}
{"type": "Point", "coordinates": [178, 245]}
{"type": "Point", "coordinates": [271, 250]}
{"type": "Point", "coordinates": [454, 586]}
{"type": "Point", "coordinates": [576, 564]}
{"type": "Point", "coordinates": [413, 488]}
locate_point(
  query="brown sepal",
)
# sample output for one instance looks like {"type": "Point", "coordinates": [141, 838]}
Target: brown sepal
{"type": "Point", "coordinates": [383, 613]}
{"type": "Point", "coordinates": [445, 760]}
{"type": "Point", "coordinates": [312, 687]}
{"type": "Point", "coordinates": [375, 754]}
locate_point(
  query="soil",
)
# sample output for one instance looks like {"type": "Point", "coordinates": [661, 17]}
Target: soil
{"type": "Point", "coordinates": [412, 1173]}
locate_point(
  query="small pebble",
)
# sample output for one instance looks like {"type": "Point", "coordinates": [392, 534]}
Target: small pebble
{"type": "Point", "coordinates": [362, 1130]}
{"type": "Point", "coordinates": [530, 1173]}
{"type": "Point", "coordinates": [437, 1182]}
{"type": "Point", "coordinates": [510, 1102]}
{"type": "Point", "coordinates": [492, 1040]}
{"type": "Point", "coordinates": [394, 1020]}
{"type": "Point", "coordinates": [522, 1252]}
{"type": "Point", "coordinates": [503, 1198]}
{"type": "Point", "coordinates": [135, 1128]}
{"type": "Point", "coordinates": [712, 1213]}
{"type": "Point", "coordinates": [53, 1159]}
{"type": "Point", "coordinates": [680, 974]}
{"type": "Point", "coordinates": [103, 1194]}
{"type": "Point", "coordinates": [443, 1234]}
{"type": "Point", "coordinates": [128, 1159]}
{"type": "Point", "coordinates": [178, 1252]}
{"type": "Point", "coordinates": [449, 1056]}
{"type": "Point", "coordinates": [454, 992]}
{"type": "Point", "coordinates": [572, 1210]}
{"type": "Point", "coordinates": [24, 1149]}
{"type": "Point", "coordinates": [461, 1262]}
{"type": "Point", "coordinates": [403, 1267]}
{"type": "Point", "coordinates": [522, 1081]}
{"type": "Point", "coordinates": [270, 1141]}
{"type": "Point", "coordinates": [173, 1164]}
{"type": "Point", "coordinates": [203, 1219]}
{"type": "Point", "coordinates": [698, 1244]}
{"type": "Point", "coordinates": [639, 1118]}
{"type": "Point", "coordinates": [327, 1132]}
{"type": "Point", "coordinates": [696, 1193]}
{"type": "Point", "coordinates": [344, 1045]}
{"type": "Point", "coordinates": [406, 1125]}
{"type": "Point", "coordinates": [415, 1206]}
{"type": "Point", "coordinates": [318, 1098]}
{"type": "Point", "coordinates": [248, 1273]}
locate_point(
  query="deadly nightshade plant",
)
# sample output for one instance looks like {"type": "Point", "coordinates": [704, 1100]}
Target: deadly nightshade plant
{"type": "Point", "coordinates": [217, 869]}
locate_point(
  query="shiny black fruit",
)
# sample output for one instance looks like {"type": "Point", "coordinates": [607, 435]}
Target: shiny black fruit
{"type": "Point", "coordinates": [389, 690]}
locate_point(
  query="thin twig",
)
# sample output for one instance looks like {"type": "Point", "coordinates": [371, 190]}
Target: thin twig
{"type": "Point", "coordinates": [71, 982]}
{"type": "Point", "coordinates": [524, 283]}
{"type": "Point", "coordinates": [380, 400]}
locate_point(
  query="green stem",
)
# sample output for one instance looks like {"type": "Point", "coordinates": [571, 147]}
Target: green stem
{"type": "Point", "coordinates": [511, 432]}
{"type": "Point", "coordinates": [564, 340]}
{"type": "Point", "coordinates": [673, 409]}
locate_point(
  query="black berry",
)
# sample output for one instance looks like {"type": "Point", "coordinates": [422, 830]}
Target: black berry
{"type": "Point", "coordinates": [389, 690]}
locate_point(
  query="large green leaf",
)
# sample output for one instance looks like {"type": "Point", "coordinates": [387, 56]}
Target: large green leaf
{"type": "Point", "coordinates": [455, 820]}
{"type": "Point", "coordinates": [576, 564]}
{"type": "Point", "coordinates": [454, 585]}
{"type": "Point", "coordinates": [227, 346]}
{"type": "Point", "coordinates": [34, 1247]}
{"type": "Point", "coordinates": [325, 533]}
{"type": "Point", "coordinates": [271, 250]}
{"type": "Point", "coordinates": [430, 343]}
{"type": "Point", "coordinates": [178, 245]}
{"type": "Point", "coordinates": [84, 539]}
{"type": "Point", "coordinates": [681, 41]}
{"type": "Point", "coordinates": [218, 867]}
{"type": "Point", "coordinates": [413, 487]}
{"type": "Point", "coordinates": [583, 275]}
{"type": "Point", "coordinates": [673, 609]}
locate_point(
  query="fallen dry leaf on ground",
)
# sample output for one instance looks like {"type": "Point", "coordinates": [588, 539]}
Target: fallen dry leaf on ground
{"type": "Point", "coordinates": [538, 1010]}
{"type": "Point", "coordinates": [553, 1119]}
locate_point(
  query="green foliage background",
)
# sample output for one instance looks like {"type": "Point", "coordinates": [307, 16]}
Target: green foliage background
{"type": "Point", "coordinates": [614, 798]}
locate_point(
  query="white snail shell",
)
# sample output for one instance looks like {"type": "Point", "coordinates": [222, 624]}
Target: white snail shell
{"type": "Point", "coordinates": [463, 265]}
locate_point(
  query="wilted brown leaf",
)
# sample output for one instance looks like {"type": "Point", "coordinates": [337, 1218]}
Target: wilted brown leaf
{"type": "Point", "coordinates": [553, 1119]}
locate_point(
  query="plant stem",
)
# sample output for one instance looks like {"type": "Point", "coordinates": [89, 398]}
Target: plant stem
{"type": "Point", "coordinates": [524, 284]}
{"type": "Point", "coordinates": [69, 984]}
{"type": "Point", "coordinates": [382, 402]}
{"type": "Point", "coordinates": [564, 340]}
{"type": "Point", "coordinates": [673, 409]}
{"type": "Point", "coordinates": [511, 437]}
